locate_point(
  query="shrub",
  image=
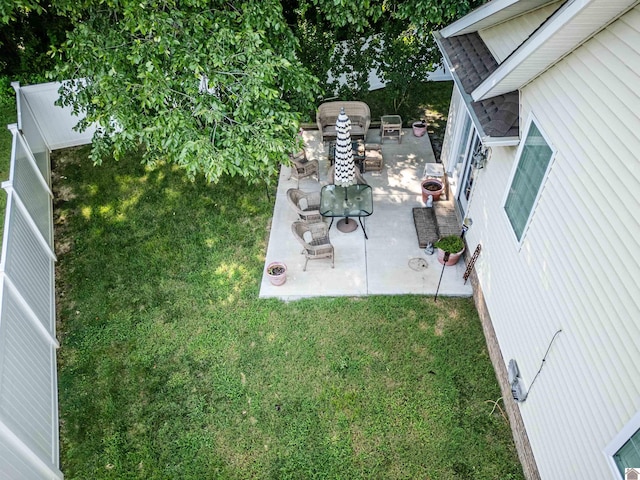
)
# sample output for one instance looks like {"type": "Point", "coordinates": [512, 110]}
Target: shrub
{"type": "Point", "coordinates": [450, 244]}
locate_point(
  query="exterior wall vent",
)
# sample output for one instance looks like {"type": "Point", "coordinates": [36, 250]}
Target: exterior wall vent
{"type": "Point", "coordinates": [518, 388]}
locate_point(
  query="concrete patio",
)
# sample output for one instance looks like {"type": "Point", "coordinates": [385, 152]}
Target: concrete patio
{"type": "Point", "coordinates": [381, 265]}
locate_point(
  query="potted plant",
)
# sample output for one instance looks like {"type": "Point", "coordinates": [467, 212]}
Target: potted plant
{"type": "Point", "coordinates": [277, 273]}
{"type": "Point", "coordinates": [419, 128]}
{"type": "Point", "coordinates": [433, 187]}
{"type": "Point", "coordinates": [453, 245]}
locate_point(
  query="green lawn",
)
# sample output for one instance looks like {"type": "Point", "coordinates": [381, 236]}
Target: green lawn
{"type": "Point", "coordinates": [425, 101]}
{"type": "Point", "coordinates": [171, 367]}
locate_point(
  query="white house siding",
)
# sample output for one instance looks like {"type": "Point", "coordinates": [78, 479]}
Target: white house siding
{"type": "Point", "coordinates": [491, 13]}
{"type": "Point", "coordinates": [578, 21]}
{"type": "Point", "coordinates": [504, 38]}
{"type": "Point", "coordinates": [578, 264]}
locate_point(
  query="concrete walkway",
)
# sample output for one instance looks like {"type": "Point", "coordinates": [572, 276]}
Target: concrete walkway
{"type": "Point", "coordinates": [390, 262]}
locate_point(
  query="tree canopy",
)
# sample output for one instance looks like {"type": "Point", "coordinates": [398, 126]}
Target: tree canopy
{"type": "Point", "coordinates": [220, 87]}
{"type": "Point", "coordinates": [213, 87]}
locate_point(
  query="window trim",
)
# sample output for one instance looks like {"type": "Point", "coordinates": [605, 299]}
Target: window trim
{"type": "Point", "coordinates": [530, 120]}
{"type": "Point", "coordinates": [458, 128]}
{"type": "Point", "coordinates": [623, 436]}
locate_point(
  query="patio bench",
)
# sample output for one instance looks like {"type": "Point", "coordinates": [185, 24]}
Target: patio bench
{"type": "Point", "coordinates": [358, 113]}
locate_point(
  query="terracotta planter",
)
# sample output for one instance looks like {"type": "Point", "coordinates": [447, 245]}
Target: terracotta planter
{"type": "Point", "coordinates": [277, 273]}
{"type": "Point", "coordinates": [453, 257]}
{"type": "Point", "coordinates": [433, 187]}
{"type": "Point", "coordinates": [419, 128]}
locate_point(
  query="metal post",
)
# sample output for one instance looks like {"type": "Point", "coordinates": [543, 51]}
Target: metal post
{"type": "Point", "coordinates": [346, 199]}
{"type": "Point", "coordinates": [446, 259]}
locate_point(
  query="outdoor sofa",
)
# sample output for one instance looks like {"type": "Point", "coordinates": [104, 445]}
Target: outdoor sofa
{"type": "Point", "coordinates": [358, 113]}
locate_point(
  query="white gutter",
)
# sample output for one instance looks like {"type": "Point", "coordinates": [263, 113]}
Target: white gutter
{"type": "Point", "coordinates": [570, 26]}
{"type": "Point", "coordinates": [475, 16]}
{"type": "Point", "coordinates": [533, 43]}
{"type": "Point", "coordinates": [486, 140]}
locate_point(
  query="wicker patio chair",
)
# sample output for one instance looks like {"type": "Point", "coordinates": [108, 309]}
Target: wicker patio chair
{"type": "Point", "coordinates": [303, 168]}
{"type": "Point", "coordinates": [314, 238]}
{"type": "Point", "coordinates": [306, 205]}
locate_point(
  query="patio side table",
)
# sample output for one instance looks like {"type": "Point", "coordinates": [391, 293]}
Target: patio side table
{"type": "Point", "coordinates": [348, 202]}
{"type": "Point", "coordinates": [391, 127]}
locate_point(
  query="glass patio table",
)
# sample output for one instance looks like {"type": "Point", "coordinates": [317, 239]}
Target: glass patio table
{"type": "Point", "coordinates": [348, 202]}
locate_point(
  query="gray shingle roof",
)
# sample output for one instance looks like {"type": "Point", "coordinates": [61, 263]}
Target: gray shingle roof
{"type": "Point", "coordinates": [473, 63]}
{"type": "Point", "coordinates": [500, 115]}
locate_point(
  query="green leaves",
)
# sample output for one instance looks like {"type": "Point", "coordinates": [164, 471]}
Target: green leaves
{"type": "Point", "coordinates": [429, 15]}
{"type": "Point", "coordinates": [10, 9]}
{"type": "Point", "coordinates": [145, 68]}
{"type": "Point", "coordinates": [359, 15]}
{"type": "Point", "coordinates": [220, 87]}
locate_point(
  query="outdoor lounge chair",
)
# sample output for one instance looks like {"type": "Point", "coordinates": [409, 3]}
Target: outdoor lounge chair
{"type": "Point", "coordinates": [303, 168]}
{"type": "Point", "coordinates": [305, 204]}
{"type": "Point", "coordinates": [314, 238]}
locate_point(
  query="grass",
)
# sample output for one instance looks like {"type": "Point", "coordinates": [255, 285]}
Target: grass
{"type": "Point", "coordinates": [171, 367]}
{"type": "Point", "coordinates": [425, 101]}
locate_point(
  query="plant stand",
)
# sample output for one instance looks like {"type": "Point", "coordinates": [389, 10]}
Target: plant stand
{"type": "Point", "coordinates": [391, 127]}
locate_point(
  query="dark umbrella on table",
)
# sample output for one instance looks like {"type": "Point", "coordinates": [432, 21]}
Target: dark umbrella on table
{"type": "Point", "coordinates": [344, 165]}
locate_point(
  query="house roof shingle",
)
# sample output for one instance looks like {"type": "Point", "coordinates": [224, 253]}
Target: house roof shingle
{"type": "Point", "coordinates": [470, 58]}
{"type": "Point", "coordinates": [472, 62]}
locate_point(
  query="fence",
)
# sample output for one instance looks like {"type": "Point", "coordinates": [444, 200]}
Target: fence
{"type": "Point", "coordinates": [29, 444]}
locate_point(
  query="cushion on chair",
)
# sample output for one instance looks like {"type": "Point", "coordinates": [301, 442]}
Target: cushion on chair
{"type": "Point", "coordinates": [304, 205]}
